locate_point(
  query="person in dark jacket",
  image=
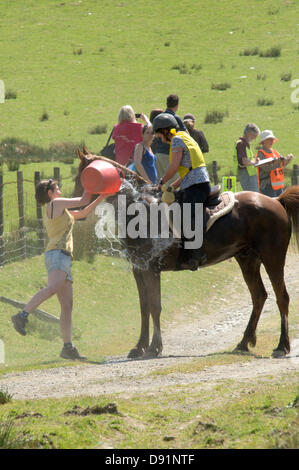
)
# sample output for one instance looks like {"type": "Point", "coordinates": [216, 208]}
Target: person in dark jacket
{"type": "Point", "coordinates": [196, 134]}
{"type": "Point", "coordinates": [162, 148]}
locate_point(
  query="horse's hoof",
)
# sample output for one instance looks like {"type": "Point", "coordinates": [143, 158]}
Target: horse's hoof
{"type": "Point", "coordinates": [135, 353]}
{"type": "Point", "coordinates": [278, 354]}
{"type": "Point", "coordinates": [150, 354]}
{"type": "Point", "coordinates": [241, 349]}
{"type": "Point", "coordinates": [252, 342]}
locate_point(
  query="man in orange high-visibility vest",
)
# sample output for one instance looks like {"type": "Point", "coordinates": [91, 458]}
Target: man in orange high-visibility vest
{"type": "Point", "coordinates": [270, 175]}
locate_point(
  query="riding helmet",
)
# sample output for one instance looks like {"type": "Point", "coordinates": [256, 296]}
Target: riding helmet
{"type": "Point", "coordinates": [164, 121]}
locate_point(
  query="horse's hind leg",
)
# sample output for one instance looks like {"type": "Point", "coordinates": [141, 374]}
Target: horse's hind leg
{"type": "Point", "coordinates": [144, 300]}
{"type": "Point", "coordinates": [250, 265]}
{"type": "Point", "coordinates": [275, 270]}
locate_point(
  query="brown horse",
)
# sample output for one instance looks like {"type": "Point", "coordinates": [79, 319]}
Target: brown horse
{"type": "Point", "coordinates": [257, 231]}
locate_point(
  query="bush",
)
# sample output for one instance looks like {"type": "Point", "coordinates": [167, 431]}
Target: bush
{"type": "Point", "coordinates": [196, 67]}
{"type": "Point", "coordinates": [248, 52]}
{"type": "Point", "coordinates": [265, 102]}
{"type": "Point", "coordinates": [261, 77]}
{"type": "Point", "coordinates": [220, 86]}
{"type": "Point", "coordinates": [5, 432]}
{"type": "Point", "coordinates": [272, 52]}
{"type": "Point", "coordinates": [44, 116]}
{"type": "Point", "coordinates": [5, 397]}
{"type": "Point", "coordinates": [182, 68]}
{"type": "Point", "coordinates": [286, 77]}
{"type": "Point", "coordinates": [10, 95]}
{"type": "Point", "coordinates": [214, 117]}
{"type": "Point", "coordinates": [100, 129]}
{"type": "Point", "coordinates": [15, 151]}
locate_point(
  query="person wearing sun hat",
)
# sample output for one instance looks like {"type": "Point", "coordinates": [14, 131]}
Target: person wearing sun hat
{"type": "Point", "coordinates": [270, 175]}
{"type": "Point", "coordinates": [196, 134]}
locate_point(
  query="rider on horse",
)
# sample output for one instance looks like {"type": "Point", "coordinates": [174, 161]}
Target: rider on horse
{"type": "Point", "coordinates": [187, 159]}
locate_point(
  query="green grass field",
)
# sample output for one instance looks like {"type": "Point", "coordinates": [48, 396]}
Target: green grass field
{"type": "Point", "coordinates": [81, 61]}
{"type": "Point", "coordinates": [226, 414]}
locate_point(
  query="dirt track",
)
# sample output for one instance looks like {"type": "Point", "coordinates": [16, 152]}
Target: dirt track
{"type": "Point", "coordinates": [185, 339]}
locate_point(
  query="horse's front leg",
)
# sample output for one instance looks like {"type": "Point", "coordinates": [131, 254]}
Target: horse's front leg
{"type": "Point", "coordinates": [153, 283]}
{"type": "Point", "coordinates": [143, 342]}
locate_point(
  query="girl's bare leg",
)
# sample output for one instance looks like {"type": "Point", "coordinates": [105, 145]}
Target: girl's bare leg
{"type": "Point", "coordinates": [56, 279]}
{"type": "Point", "coordinates": [65, 297]}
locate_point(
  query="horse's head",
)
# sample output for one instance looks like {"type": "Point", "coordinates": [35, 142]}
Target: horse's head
{"type": "Point", "coordinates": [140, 251]}
{"type": "Point", "coordinates": [87, 157]}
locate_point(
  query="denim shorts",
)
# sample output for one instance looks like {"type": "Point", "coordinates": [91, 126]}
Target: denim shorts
{"type": "Point", "coordinates": [57, 260]}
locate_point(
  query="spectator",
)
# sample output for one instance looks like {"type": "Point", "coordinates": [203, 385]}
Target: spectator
{"type": "Point", "coordinates": [243, 159]}
{"type": "Point", "coordinates": [127, 133]}
{"type": "Point", "coordinates": [196, 134]}
{"type": "Point", "coordinates": [154, 113]}
{"type": "Point", "coordinates": [270, 175]}
{"type": "Point", "coordinates": [162, 148]}
{"type": "Point", "coordinates": [144, 159]}
{"type": "Point", "coordinates": [172, 104]}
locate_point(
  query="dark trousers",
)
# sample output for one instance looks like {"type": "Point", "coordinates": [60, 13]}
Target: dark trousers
{"type": "Point", "coordinates": [196, 193]}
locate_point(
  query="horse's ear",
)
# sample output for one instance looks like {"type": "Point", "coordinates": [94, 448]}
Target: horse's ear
{"type": "Point", "coordinates": [85, 151]}
{"type": "Point", "coordinates": [80, 154]}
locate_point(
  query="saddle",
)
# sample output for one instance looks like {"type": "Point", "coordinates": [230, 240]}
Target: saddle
{"type": "Point", "coordinates": [218, 205]}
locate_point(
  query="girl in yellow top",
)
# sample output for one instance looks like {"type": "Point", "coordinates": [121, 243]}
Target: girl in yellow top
{"type": "Point", "coordinates": [59, 223]}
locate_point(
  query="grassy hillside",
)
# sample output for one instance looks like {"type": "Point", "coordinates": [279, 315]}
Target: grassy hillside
{"type": "Point", "coordinates": [80, 61]}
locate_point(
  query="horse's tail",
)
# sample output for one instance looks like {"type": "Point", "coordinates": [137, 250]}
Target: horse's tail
{"type": "Point", "coordinates": [289, 199]}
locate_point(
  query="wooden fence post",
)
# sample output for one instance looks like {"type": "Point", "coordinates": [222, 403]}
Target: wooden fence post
{"type": "Point", "coordinates": [215, 174]}
{"type": "Point", "coordinates": [21, 214]}
{"type": "Point", "coordinates": [295, 175]}
{"type": "Point", "coordinates": [2, 248]}
{"type": "Point", "coordinates": [57, 175]}
{"type": "Point", "coordinates": [39, 216]}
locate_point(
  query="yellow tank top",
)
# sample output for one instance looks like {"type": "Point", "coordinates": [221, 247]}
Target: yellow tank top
{"type": "Point", "coordinates": [59, 232]}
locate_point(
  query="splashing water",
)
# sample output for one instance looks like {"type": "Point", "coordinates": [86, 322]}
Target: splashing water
{"type": "Point", "coordinates": [106, 228]}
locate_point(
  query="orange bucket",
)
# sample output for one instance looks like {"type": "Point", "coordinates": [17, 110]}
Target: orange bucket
{"type": "Point", "coordinates": [100, 177]}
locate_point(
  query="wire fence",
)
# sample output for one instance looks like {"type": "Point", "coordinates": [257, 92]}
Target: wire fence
{"type": "Point", "coordinates": [22, 234]}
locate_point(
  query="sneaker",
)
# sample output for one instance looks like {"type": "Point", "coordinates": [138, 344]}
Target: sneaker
{"type": "Point", "coordinates": [19, 323]}
{"type": "Point", "coordinates": [71, 352]}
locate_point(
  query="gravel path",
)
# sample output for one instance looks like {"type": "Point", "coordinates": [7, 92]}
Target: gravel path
{"type": "Point", "coordinates": [188, 335]}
